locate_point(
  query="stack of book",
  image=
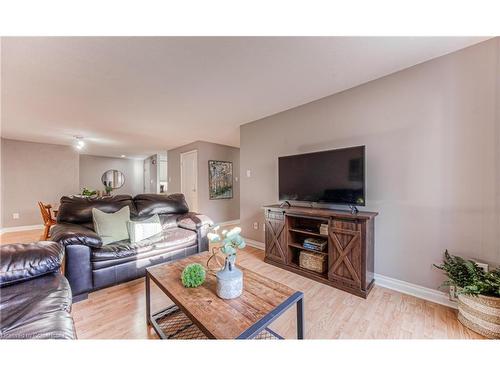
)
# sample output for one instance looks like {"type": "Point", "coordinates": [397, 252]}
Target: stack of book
{"type": "Point", "coordinates": [323, 229]}
{"type": "Point", "coordinates": [316, 244]}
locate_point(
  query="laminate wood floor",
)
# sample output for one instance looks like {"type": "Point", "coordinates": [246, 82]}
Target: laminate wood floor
{"type": "Point", "coordinates": [119, 312]}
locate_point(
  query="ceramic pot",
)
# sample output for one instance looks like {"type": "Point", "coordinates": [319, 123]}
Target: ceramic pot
{"type": "Point", "coordinates": [229, 279]}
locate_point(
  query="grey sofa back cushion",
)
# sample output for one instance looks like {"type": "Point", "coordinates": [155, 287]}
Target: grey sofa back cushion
{"type": "Point", "coordinates": [150, 204]}
{"type": "Point", "coordinates": [78, 210]}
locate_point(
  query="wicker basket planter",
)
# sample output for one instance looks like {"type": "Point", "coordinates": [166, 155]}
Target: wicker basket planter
{"type": "Point", "coordinates": [480, 314]}
{"type": "Point", "coordinates": [313, 261]}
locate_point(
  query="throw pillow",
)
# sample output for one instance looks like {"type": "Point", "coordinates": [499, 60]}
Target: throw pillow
{"type": "Point", "coordinates": [140, 230]}
{"type": "Point", "coordinates": [111, 227]}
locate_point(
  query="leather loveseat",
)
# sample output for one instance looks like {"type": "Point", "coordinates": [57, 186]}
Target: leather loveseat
{"type": "Point", "coordinates": [35, 298]}
{"type": "Point", "coordinates": [91, 266]}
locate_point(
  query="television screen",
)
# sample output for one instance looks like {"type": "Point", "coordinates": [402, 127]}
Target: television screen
{"type": "Point", "coordinates": [335, 176]}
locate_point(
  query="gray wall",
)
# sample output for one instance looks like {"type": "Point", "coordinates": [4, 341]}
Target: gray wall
{"type": "Point", "coordinates": [33, 172]}
{"type": "Point", "coordinates": [92, 168]}
{"type": "Point", "coordinates": [219, 210]}
{"type": "Point", "coordinates": [432, 137]}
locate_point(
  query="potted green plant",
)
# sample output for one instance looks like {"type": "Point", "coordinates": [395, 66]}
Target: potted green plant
{"type": "Point", "coordinates": [108, 189]}
{"type": "Point", "coordinates": [88, 193]}
{"type": "Point", "coordinates": [478, 294]}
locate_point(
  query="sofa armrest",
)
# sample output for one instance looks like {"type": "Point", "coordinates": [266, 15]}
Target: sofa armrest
{"type": "Point", "coordinates": [200, 224]}
{"type": "Point", "coordinates": [193, 221]}
{"type": "Point", "coordinates": [21, 262]}
{"type": "Point", "coordinates": [74, 234]}
{"type": "Point", "coordinates": [78, 269]}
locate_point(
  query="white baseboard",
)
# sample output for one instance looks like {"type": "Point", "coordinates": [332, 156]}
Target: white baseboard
{"type": "Point", "coordinates": [20, 229]}
{"type": "Point", "coordinates": [414, 290]}
{"type": "Point", "coordinates": [256, 244]}
{"type": "Point", "coordinates": [422, 292]}
{"type": "Point", "coordinates": [231, 222]}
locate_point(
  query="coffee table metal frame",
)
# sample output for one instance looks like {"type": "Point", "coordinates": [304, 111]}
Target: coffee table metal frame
{"type": "Point", "coordinates": [254, 330]}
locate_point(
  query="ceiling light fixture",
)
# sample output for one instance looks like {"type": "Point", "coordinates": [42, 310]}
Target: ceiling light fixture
{"type": "Point", "coordinates": [122, 156]}
{"type": "Point", "coordinates": [79, 143]}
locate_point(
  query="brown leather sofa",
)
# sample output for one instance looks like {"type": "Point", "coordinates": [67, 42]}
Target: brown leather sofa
{"type": "Point", "coordinates": [91, 266]}
{"type": "Point", "coordinates": [35, 298]}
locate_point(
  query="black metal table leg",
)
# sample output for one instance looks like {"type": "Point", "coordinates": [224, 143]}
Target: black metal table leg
{"type": "Point", "coordinates": [148, 300]}
{"type": "Point", "coordinates": [300, 318]}
{"type": "Point", "coordinates": [263, 323]}
{"type": "Point", "coordinates": [151, 318]}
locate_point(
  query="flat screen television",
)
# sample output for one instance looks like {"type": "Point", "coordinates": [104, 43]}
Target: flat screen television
{"type": "Point", "coordinates": [334, 177]}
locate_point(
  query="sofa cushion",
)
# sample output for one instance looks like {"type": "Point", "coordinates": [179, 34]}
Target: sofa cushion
{"type": "Point", "coordinates": [167, 239]}
{"type": "Point", "coordinates": [19, 262]}
{"type": "Point", "coordinates": [37, 309]}
{"type": "Point", "coordinates": [78, 210]}
{"type": "Point", "coordinates": [139, 230]}
{"type": "Point", "coordinates": [111, 227]}
{"type": "Point", "coordinates": [150, 204]}
{"type": "Point", "coordinates": [123, 270]}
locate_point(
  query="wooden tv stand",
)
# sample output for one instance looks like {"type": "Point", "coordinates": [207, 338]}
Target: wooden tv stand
{"type": "Point", "coordinates": [350, 248]}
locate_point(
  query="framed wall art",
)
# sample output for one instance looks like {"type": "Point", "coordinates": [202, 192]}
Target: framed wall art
{"type": "Point", "coordinates": [220, 179]}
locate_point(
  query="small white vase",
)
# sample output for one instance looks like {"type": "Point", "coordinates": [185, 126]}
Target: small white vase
{"type": "Point", "coordinates": [229, 279]}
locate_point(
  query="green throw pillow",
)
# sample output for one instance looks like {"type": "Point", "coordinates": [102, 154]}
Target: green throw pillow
{"type": "Point", "coordinates": [140, 230]}
{"type": "Point", "coordinates": [111, 227]}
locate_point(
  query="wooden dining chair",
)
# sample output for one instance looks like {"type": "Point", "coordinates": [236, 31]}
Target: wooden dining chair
{"type": "Point", "coordinates": [48, 220]}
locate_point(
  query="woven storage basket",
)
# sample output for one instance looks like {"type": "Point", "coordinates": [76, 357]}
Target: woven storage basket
{"type": "Point", "coordinates": [481, 314]}
{"type": "Point", "coordinates": [313, 261]}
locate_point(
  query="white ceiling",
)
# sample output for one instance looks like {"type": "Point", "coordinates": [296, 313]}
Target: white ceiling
{"type": "Point", "coordinates": [141, 95]}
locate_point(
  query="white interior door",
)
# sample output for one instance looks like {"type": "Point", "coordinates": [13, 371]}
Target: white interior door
{"type": "Point", "coordinates": [189, 178]}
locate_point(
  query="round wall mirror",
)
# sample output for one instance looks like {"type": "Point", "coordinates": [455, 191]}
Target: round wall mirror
{"type": "Point", "coordinates": [113, 179]}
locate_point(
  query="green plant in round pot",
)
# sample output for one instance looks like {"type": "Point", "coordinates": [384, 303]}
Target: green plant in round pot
{"type": "Point", "coordinates": [88, 193]}
{"type": "Point", "coordinates": [478, 294]}
{"type": "Point", "coordinates": [193, 275]}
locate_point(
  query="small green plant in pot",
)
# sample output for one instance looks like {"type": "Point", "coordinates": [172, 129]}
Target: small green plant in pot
{"type": "Point", "coordinates": [193, 275]}
{"type": "Point", "coordinates": [108, 189]}
{"type": "Point", "coordinates": [88, 193]}
{"type": "Point", "coordinates": [478, 294]}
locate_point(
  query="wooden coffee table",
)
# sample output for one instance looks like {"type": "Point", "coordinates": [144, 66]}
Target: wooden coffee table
{"type": "Point", "coordinates": [246, 317]}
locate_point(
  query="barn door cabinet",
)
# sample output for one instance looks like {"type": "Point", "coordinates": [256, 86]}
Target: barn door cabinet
{"type": "Point", "coordinates": [349, 251]}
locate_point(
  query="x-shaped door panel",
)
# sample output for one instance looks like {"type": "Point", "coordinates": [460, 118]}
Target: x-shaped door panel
{"type": "Point", "coordinates": [274, 242]}
{"type": "Point", "coordinates": [340, 260]}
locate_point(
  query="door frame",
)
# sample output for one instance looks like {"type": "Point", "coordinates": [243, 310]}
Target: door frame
{"type": "Point", "coordinates": [183, 155]}
{"type": "Point", "coordinates": [146, 182]}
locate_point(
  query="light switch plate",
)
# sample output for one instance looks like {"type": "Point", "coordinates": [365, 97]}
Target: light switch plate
{"type": "Point", "coordinates": [249, 173]}
{"type": "Point", "coordinates": [15, 215]}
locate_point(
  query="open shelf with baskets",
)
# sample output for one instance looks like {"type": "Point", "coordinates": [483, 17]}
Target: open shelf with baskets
{"type": "Point", "coordinates": [301, 229]}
